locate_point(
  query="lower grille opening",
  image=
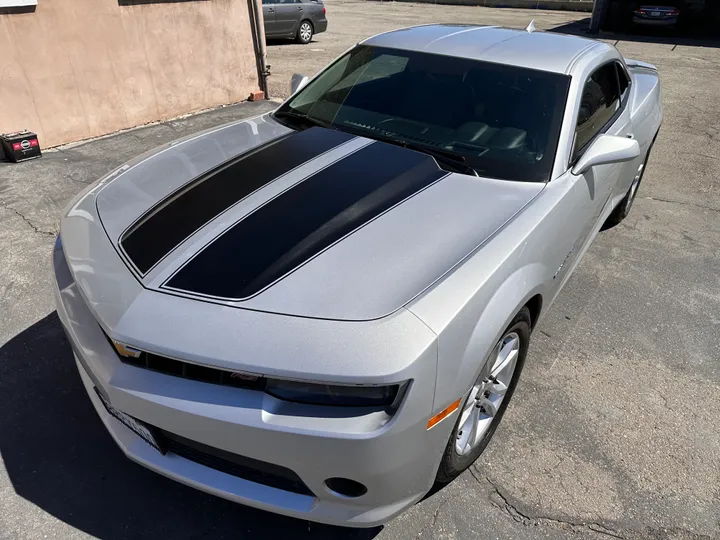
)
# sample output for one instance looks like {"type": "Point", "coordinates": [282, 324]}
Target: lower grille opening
{"type": "Point", "coordinates": [243, 467]}
{"type": "Point", "coordinates": [247, 468]}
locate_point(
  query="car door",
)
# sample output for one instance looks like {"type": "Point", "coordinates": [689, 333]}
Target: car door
{"type": "Point", "coordinates": [288, 14]}
{"type": "Point", "coordinates": [601, 111]}
{"type": "Point", "coordinates": [268, 7]}
{"type": "Point", "coordinates": [587, 197]}
{"type": "Point", "coordinates": [629, 169]}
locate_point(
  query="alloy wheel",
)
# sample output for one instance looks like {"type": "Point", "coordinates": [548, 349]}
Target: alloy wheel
{"type": "Point", "coordinates": [487, 395]}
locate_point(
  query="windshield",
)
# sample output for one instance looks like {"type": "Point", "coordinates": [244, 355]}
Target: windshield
{"type": "Point", "coordinates": [503, 121]}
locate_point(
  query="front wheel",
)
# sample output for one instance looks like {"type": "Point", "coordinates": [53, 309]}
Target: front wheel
{"type": "Point", "coordinates": [304, 33]}
{"type": "Point", "coordinates": [487, 400]}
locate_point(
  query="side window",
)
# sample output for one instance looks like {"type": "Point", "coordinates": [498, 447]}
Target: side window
{"type": "Point", "coordinates": [623, 79]}
{"type": "Point", "coordinates": [600, 99]}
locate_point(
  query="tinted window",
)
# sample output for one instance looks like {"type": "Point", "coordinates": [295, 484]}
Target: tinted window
{"type": "Point", "coordinates": [600, 99]}
{"type": "Point", "coordinates": [623, 80]}
{"type": "Point", "coordinates": [503, 120]}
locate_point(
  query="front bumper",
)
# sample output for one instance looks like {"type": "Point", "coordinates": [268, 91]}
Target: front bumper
{"type": "Point", "coordinates": [396, 462]}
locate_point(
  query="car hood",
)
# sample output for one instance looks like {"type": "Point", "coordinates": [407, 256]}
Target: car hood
{"type": "Point", "coordinates": [317, 223]}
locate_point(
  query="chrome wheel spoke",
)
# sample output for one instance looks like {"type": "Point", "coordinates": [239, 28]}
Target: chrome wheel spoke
{"type": "Point", "coordinates": [506, 356]}
{"type": "Point", "coordinates": [473, 435]}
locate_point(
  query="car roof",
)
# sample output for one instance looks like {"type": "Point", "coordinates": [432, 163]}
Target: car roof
{"type": "Point", "coordinates": [545, 51]}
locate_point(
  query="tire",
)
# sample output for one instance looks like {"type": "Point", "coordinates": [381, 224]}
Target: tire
{"type": "Point", "coordinates": [622, 210]}
{"type": "Point", "coordinates": [453, 462]}
{"type": "Point", "coordinates": [304, 32]}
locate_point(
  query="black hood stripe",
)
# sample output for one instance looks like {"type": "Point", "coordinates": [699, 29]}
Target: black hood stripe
{"type": "Point", "coordinates": [178, 216]}
{"type": "Point", "coordinates": [303, 221]}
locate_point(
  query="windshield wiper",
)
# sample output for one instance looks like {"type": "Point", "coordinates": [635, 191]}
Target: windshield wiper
{"type": "Point", "coordinates": [300, 118]}
{"type": "Point", "coordinates": [448, 158]}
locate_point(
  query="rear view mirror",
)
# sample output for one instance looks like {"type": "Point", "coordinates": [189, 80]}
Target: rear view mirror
{"type": "Point", "coordinates": [607, 149]}
{"type": "Point", "coordinates": [297, 82]}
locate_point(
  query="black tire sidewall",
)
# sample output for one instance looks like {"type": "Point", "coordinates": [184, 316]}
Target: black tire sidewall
{"type": "Point", "coordinates": [452, 463]}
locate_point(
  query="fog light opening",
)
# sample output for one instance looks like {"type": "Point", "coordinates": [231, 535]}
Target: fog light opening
{"type": "Point", "coordinates": [346, 487]}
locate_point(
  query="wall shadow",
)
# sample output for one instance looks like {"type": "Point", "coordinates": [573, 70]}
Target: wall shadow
{"type": "Point", "coordinates": [278, 42]}
{"type": "Point", "coordinates": [59, 457]}
{"type": "Point", "coordinates": [694, 37]}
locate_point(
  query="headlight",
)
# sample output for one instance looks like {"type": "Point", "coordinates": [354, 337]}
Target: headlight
{"type": "Point", "coordinates": [388, 397]}
{"type": "Point", "coordinates": [337, 395]}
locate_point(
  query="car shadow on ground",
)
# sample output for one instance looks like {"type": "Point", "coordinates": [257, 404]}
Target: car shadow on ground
{"type": "Point", "coordinates": [689, 37]}
{"type": "Point", "coordinates": [274, 42]}
{"type": "Point", "coordinates": [59, 457]}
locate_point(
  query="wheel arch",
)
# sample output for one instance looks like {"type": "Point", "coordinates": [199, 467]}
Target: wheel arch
{"type": "Point", "coordinates": [296, 32]}
{"type": "Point", "coordinates": [464, 345]}
{"type": "Point", "coordinates": [307, 20]}
{"type": "Point", "coordinates": [534, 305]}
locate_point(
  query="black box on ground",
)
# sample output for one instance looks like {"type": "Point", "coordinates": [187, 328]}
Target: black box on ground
{"type": "Point", "coordinates": [20, 146]}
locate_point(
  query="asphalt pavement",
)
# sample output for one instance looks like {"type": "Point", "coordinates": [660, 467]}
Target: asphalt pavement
{"type": "Point", "coordinates": [614, 431]}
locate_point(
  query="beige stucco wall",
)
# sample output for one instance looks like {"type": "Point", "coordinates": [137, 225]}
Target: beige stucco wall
{"type": "Point", "coordinates": [75, 69]}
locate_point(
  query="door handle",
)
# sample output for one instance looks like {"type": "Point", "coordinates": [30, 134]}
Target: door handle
{"type": "Point", "coordinates": [630, 135]}
{"type": "Point", "coordinates": [299, 8]}
{"type": "Point", "coordinates": [271, 10]}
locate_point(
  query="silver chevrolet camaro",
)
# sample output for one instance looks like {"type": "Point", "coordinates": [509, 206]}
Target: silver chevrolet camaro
{"type": "Point", "coordinates": [323, 311]}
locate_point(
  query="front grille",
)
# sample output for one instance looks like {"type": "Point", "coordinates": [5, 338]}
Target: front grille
{"type": "Point", "coordinates": [195, 372]}
{"type": "Point", "coordinates": [243, 467]}
{"type": "Point", "coordinates": [247, 468]}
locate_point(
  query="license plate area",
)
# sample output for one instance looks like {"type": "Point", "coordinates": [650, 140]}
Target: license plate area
{"type": "Point", "coordinates": [147, 433]}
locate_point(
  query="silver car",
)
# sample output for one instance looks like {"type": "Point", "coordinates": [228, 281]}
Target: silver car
{"type": "Point", "coordinates": [324, 311]}
{"type": "Point", "coordinates": [295, 19]}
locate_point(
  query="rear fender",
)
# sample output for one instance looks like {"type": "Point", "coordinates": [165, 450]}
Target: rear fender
{"type": "Point", "coordinates": [646, 106]}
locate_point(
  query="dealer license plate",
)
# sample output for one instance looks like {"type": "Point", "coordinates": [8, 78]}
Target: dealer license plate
{"type": "Point", "coordinates": [136, 426]}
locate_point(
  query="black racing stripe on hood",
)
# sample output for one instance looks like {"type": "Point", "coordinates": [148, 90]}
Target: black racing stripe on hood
{"type": "Point", "coordinates": [178, 216]}
{"type": "Point", "coordinates": [305, 220]}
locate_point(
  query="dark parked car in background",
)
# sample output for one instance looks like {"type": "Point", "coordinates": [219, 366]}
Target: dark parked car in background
{"type": "Point", "coordinates": [655, 15]}
{"type": "Point", "coordinates": [297, 19]}
{"type": "Point", "coordinates": [688, 17]}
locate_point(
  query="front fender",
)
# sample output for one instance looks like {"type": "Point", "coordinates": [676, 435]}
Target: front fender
{"type": "Point", "coordinates": [466, 342]}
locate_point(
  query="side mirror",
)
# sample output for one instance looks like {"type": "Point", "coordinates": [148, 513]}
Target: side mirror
{"type": "Point", "coordinates": [607, 149]}
{"type": "Point", "coordinates": [297, 82]}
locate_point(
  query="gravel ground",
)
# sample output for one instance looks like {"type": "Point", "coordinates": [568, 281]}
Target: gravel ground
{"type": "Point", "coordinates": [614, 431]}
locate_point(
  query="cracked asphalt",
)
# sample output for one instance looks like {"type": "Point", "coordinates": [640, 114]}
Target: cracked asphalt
{"type": "Point", "coordinates": [614, 431]}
